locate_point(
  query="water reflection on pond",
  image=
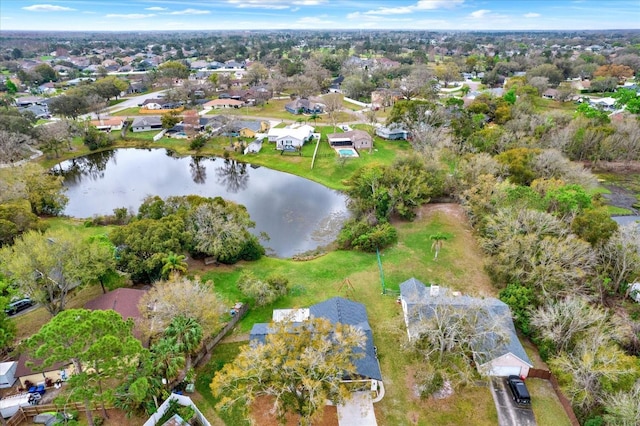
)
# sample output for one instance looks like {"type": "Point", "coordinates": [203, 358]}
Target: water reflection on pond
{"type": "Point", "coordinates": [297, 214]}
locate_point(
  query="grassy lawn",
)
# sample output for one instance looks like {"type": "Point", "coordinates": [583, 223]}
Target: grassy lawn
{"type": "Point", "coordinates": [545, 404]}
{"type": "Point", "coordinates": [274, 109]}
{"type": "Point", "coordinates": [130, 111]}
{"type": "Point", "coordinates": [459, 266]}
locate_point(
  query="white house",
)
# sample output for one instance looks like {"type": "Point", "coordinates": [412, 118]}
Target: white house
{"type": "Point", "coordinates": [497, 354]}
{"type": "Point", "coordinates": [7, 374]}
{"type": "Point", "coordinates": [291, 136]}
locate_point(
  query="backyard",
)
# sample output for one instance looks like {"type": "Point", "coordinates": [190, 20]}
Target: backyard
{"type": "Point", "coordinates": [459, 266]}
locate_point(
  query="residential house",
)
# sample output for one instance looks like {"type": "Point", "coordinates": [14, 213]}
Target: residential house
{"type": "Point", "coordinates": [385, 63]}
{"type": "Point", "coordinates": [47, 88]}
{"type": "Point", "coordinates": [158, 103]}
{"type": "Point", "coordinates": [250, 129]}
{"type": "Point", "coordinates": [392, 132]}
{"type": "Point", "coordinates": [605, 104]}
{"type": "Point", "coordinates": [144, 124]}
{"type": "Point", "coordinates": [383, 98]}
{"type": "Point", "coordinates": [223, 103]}
{"type": "Point", "coordinates": [125, 302]}
{"type": "Point", "coordinates": [108, 124]}
{"type": "Point", "coordinates": [290, 137]}
{"type": "Point", "coordinates": [38, 111]}
{"type": "Point", "coordinates": [336, 84]}
{"type": "Point", "coordinates": [358, 139]}
{"type": "Point", "coordinates": [337, 310]}
{"type": "Point", "coordinates": [497, 354]}
{"type": "Point", "coordinates": [304, 106]}
{"type": "Point", "coordinates": [550, 94]}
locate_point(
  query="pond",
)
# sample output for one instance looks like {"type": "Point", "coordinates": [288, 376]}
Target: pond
{"type": "Point", "coordinates": [297, 214]}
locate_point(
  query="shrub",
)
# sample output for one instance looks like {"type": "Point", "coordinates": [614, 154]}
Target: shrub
{"type": "Point", "coordinates": [263, 292]}
{"type": "Point", "coordinates": [198, 142]}
{"type": "Point", "coordinates": [359, 235]}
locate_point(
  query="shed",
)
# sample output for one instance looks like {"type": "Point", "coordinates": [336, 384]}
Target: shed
{"type": "Point", "coordinates": [7, 374]}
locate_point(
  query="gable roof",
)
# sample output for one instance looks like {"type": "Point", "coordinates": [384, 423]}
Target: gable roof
{"type": "Point", "coordinates": [343, 311]}
{"type": "Point", "coordinates": [420, 303]}
{"type": "Point", "coordinates": [125, 302]}
{"type": "Point", "coordinates": [355, 136]}
{"type": "Point", "coordinates": [151, 120]}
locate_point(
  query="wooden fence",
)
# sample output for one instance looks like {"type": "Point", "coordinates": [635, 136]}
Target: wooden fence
{"type": "Point", "coordinates": [24, 413]}
{"type": "Point", "coordinates": [564, 401]}
{"type": "Point", "coordinates": [211, 343]}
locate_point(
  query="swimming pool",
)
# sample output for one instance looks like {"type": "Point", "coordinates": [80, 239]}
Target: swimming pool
{"type": "Point", "coordinates": [347, 152]}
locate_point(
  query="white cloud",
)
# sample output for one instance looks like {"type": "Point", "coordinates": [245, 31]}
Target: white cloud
{"type": "Point", "coordinates": [419, 6]}
{"type": "Point", "coordinates": [437, 4]}
{"type": "Point", "coordinates": [190, 12]}
{"type": "Point", "coordinates": [47, 8]}
{"type": "Point", "coordinates": [156, 8]}
{"type": "Point", "coordinates": [479, 13]}
{"type": "Point", "coordinates": [295, 9]}
{"type": "Point", "coordinates": [531, 15]}
{"type": "Point", "coordinates": [274, 4]}
{"type": "Point", "coordinates": [129, 16]}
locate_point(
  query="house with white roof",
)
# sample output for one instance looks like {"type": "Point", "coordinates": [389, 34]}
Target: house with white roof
{"type": "Point", "coordinates": [291, 136]}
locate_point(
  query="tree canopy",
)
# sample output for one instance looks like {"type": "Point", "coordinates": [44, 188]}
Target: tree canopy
{"type": "Point", "coordinates": [299, 367]}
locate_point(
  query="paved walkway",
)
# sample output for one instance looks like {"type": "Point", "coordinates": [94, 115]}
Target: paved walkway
{"type": "Point", "coordinates": [357, 411]}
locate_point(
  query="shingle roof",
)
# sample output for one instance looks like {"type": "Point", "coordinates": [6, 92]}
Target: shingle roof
{"type": "Point", "coordinates": [421, 303]}
{"type": "Point", "coordinates": [343, 311]}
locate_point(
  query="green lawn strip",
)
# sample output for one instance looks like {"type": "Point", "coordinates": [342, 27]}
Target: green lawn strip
{"type": "Point", "coordinates": [131, 111]}
{"type": "Point", "coordinates": [618, 211]}
{"type": "Point", "coordinates": [221, 354]}
{"type": "Point", "coordinates": [545, 404]}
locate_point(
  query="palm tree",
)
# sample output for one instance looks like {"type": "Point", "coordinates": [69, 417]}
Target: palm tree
{"type": "Point", "coordinates": [315, 117]}
{"type": "Point", "coordinates": [186, 333]}
{"type": "Point", "coordinates": [167, 359]}
{"type": "Point", "coordinates": [438, 241]}
{"type": "Point", "coordinates": [174, 264]}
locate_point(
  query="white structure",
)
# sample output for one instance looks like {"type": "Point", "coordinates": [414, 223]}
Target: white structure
{"type": "Point", "coordinates": [634, 292]}
{"type": "Point", "coordinates": [293, 135]}
{"type": "Point", "coordinates": [182, 400]}
{"type": "Point", "coordinates": [7, 374]}
{"type": "Point", "coordinates": [10, 405]}
{"type": "Point", "coordinates": [292, 315]}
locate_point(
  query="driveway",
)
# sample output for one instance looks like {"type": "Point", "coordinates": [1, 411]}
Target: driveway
{"type": "Point", "coordinates": [357, 411]}
{"type": "Point", "coordinates": [509, 413]}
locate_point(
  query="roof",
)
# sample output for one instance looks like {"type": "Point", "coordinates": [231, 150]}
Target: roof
{"type": "Point", "coordinates": [125, 302]}
{"type": "Point", "coordinates": [152, 120]}
{"type": "Point", "coordinates": [5, 367]}
{"type": "Point", "coordinates": [343, 311]}
{"type": "Point", "coordinates": [352, 135]}
{"type": "Point", "coordinates": [23, 370]}
{"type": "Point", "coordinates": [421, 301]}
{"type": "Point", "coordinates": [122, 300]}
{"type": "Point", "coordinates": [108, 121]}
{"type": "Point", "coordinates": [232, 102]}
{"type": "Point", "coordinates": [256, 126]}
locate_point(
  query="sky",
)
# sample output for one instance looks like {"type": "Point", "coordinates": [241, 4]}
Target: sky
{"type": "Point", "coordinates": [163, 15]}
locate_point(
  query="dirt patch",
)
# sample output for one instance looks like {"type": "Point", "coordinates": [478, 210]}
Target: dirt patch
{"type": "Point", "coordinates": [261, 413]}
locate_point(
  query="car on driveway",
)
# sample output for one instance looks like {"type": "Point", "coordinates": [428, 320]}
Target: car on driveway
{"type": "Point", "coordinates": [519, 390]}
{"type": "Point", "coordinates": [18, 306]}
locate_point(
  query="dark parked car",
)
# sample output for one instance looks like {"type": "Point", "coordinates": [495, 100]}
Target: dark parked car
{"type": "Point", "coordinates": [519, 390]}
{"type": "Point", "coordinates": [18, 306]}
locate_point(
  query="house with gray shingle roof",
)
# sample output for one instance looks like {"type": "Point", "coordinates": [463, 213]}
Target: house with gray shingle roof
{"type": "Point", "coordinates": [336, 310]}
{"type": "Point", "coordinates": [496, 354]}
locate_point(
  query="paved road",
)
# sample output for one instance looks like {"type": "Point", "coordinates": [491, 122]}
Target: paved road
{"type": "Point", "coordinates": [509, 413]}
